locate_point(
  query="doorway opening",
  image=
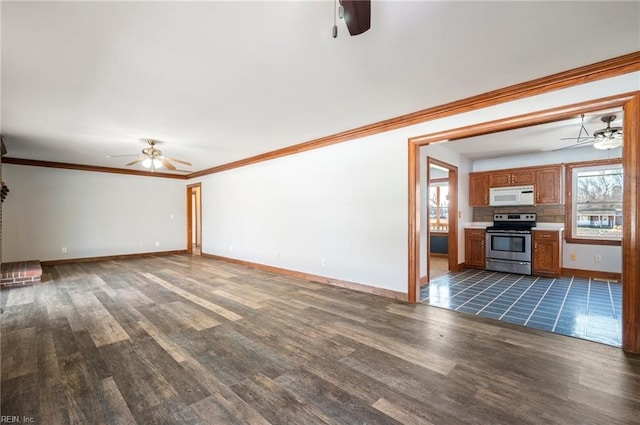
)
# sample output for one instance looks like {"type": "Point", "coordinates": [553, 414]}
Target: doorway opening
{"type": "Point", "coordinates": [441, 207]}
{"type": "Point", "coordinates": [630, 104]}
{"type": "Point", "coordinates": [194, 219]}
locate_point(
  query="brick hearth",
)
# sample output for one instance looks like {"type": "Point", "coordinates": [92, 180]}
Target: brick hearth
{"type": "Point", "coordinates": [20, 273]}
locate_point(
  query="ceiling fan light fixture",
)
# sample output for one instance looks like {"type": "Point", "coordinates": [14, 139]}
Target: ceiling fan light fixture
{"type": "Point", "coordinates": [608, 133]}
{"type": "Point", "coordinates": [608, 144]}
{"type": "Point", "coordinates": [152, 159]}
{"type": "Point", "coordinates": [613, 133]}
{"type": "Point", "coordinates": [151, 163]}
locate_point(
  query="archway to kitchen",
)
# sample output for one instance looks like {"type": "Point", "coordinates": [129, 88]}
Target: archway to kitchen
{"type": "Point", "coordinates": [631, 166]}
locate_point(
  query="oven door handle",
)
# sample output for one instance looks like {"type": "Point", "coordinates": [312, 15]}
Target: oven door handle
{"type": "Point", "coordinates": [518, 232]}
{"type": "Point", "coordinates": [491, 260]}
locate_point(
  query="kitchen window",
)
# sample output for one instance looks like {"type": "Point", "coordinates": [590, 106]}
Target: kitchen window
{"type": "Point", "coordinates": [594, 202]}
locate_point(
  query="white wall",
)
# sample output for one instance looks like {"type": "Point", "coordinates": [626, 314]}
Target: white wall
{"type": "Point", "coordinates": [89, 213]}
{"type": "Point", "coordinates": [347, 203]}
{"type": "Point", "coordinates": [611, 257]}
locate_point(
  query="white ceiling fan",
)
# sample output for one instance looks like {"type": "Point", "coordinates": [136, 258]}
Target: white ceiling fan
{"type": "Point", "coordinates": [153, 159]}
{"type": "Point", "coordinates": [604, 139]}
{"type": "Point", "coordinates": [610, 137]}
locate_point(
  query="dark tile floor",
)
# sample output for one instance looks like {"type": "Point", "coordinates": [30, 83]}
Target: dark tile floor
{"type": "Point", "coordinates": [580, 307]}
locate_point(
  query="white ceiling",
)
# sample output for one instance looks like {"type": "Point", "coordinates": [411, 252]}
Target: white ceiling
{"type": "Point", "coordinates": [222, 81]}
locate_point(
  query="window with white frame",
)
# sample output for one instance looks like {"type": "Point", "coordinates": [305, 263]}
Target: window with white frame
{"type": "Point", "coordinates": [596, 201]}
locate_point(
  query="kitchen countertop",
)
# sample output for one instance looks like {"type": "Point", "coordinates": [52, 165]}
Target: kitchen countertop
{"type": "Point", "coordinates": [539, 226]}
{"type": "Point", "coordinates": [478, 225]}
{"type": "Point", "coordinates": [549, 226]}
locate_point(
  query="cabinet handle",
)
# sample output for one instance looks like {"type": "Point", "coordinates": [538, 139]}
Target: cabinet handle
{"type": "Point", "coordinates": [535, 246]}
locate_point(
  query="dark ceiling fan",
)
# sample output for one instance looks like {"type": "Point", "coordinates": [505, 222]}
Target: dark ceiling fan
{"type": "Point", "coordinates": [356, 14]}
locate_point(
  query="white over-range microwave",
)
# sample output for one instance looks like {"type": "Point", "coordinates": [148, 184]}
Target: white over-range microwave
{"type": "Point", "coordinates": [514, 195]}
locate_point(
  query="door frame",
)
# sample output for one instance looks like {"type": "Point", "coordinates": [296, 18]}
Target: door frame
{"type": "Point", "coordinates": [630, 102]}
{"type": "Point", "coordinates": [191, 189]}
{"type": "Point", "coordinates": [452, 231]}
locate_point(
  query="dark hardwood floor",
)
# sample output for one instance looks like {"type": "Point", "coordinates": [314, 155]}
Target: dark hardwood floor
{"type": "Point", "coordinates": [183, 339]}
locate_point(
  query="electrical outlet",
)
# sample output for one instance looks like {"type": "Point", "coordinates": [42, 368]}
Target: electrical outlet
{"type": "Point", "coordinates": [230, 247]}
{"type": "Point", "coordinates": [323, 262]}
{"type": "Point", "coordinates": [157, 243]}
{"type": "Point", "coordinates": [64, 249]}
{"type": "Point", "coordinates": [597, 258]}
{"type": "Point", "coordinates": [572, 257]}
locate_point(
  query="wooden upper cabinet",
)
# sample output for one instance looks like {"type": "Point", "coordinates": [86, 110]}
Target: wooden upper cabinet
{"type": "Point", "coordinates": [548, 185]}
{"type": "Point", "coordinates": [523, 177]}
{"type": "Point", "coordinates": [545, 179]}
{"type": "Point", "coordinates": [499, 179]}
{"type": "Point", "coordinates": [512, 178]}
{"type": "Point", "coordinates": [479, 189]}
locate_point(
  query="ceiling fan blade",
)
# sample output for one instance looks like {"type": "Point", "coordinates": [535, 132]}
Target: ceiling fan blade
{"type": "Point", "coordinates": [166, 163]}
{"type": "Point", "coordinates": [178, 160]}
{"type": "Point", "coordinates": [357, 15]}
{"type": "Point", "coordinates": [579, 139]}
{"type": "Point", "coordinates": [576, 145]}
{"type": "Point", "coordinates": [121, 156]}
{"type": "Point", "coordinates": [136, 161]}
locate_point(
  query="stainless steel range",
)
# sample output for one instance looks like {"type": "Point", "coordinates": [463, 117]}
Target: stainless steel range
{"type": "Point", "coordinates": [508, 243]}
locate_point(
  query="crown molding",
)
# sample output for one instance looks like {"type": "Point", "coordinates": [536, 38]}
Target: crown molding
{"type": "Point", "coordinates": [600, 70]}
{"type": "Point", "coordinates": [81, 167]}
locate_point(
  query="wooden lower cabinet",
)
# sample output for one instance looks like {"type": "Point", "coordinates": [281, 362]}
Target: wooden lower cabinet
{"type": "Point", "coordinates": [474, 249]}
{"type": "Point", "coordinates": [547, 253]}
